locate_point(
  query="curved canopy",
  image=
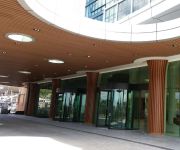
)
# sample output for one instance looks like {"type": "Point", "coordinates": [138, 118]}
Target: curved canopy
{"type": "Point", "coordinates": [70, 15]}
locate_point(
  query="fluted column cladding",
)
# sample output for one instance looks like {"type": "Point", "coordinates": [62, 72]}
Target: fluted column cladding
{"type": "Point", "coordinates": [91, 96]}
{"type": "Point", "coordinates": [33, 98]}
{"type": "Point", "coordinates": [157, 74]}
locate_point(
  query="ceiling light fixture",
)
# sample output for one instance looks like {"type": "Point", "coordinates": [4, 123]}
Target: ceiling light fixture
{"type": "Point", "coordinates": [88, 56]}
{"type": "Point", "coordinates": [24, 72]}
{"type": "Point", "coordinates": [3, 76]}
{"type": "Point", "coordinates": [36, 29]}
{"type": "Point", "coordinates": [19, 37]}
{"type": "Point", "coordinates": [55, 61]}
{"type": "Point", "coordinates": [3, 52]}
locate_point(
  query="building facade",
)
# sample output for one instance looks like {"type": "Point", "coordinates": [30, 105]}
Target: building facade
{"type": "Point", "coordinates": [142, 98]}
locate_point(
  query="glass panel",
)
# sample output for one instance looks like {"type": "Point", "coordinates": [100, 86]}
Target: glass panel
{"type": "Point", "coordinates": [44, 100]}
{"type": "Point", "coordinates": [77, 105]}
{"type": "Point", "coordinates": [138, 4]}
{"type": "Point", "coordinates": [119, 105]}
{"type": "Point", "coordinates": [68, 103]}
{"type": "Point", "coordinates": [173, 99]}
{"type": "Point", "coordinates": [102, 109]}
{"type": "Point", "coordinates": [124, 8]}
{"type": "Point", "coordinates": [59, 107]}
{"type": "Point", "coordinates": [128, 108]}
{"type": "Point", "coordinates": [111, 14]}
{"type": "Point", "coordinates": [83, 105]}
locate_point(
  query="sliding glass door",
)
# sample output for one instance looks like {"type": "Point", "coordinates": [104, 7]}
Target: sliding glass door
{"type": "Point", "coordinates": [118, 107]}
{"type": "Point", "coordinates": [103, 106]}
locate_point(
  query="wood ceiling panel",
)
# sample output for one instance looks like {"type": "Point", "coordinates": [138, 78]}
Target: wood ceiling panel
{"type": "Point", "coordinates": [55, 43]}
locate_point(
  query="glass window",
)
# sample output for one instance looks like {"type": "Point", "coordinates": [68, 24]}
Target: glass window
{"type": "Point", "coordinates": [173, 99]}
{"type": "Point", "coordinates": [138, 4]}
{"type": "Point", "coordinates": [124, 8]}
{"type": "Point", "coordinates": [111, 14]}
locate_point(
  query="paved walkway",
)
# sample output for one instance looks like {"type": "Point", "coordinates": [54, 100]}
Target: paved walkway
{"type": "Point", "coordinates": [18, 131]}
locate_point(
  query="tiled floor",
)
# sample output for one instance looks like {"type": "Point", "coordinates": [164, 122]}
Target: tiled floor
{"type": "Point", "coordinates": [18, 131]}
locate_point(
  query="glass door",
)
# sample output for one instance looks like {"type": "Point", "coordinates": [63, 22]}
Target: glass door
{"type": "Point", "coordinates": [118, 109]}
{"type": "Point", "coordinates": [139, 111]}
{"type": "Point", "coordinates": [59, 107]}
{"type": "Point", "coordinates": [68, 103]}
{"type": "Point", "coordinates": [102, 112]}
{"type": "Point", "coordinates": [79, 107]}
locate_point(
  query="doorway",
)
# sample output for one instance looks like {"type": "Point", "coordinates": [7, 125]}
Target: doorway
{"type": "Point", "coordinates": [122, 109]}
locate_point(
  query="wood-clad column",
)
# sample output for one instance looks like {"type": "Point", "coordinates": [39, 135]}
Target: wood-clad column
{"type": "Point", "coordinates": [92, 78]}
{"type": "Point", "coordinates": [55, 89]}
{"type": "Point", "coordinates": [157, 74]}
{"type": "Point", "coordinates": [33, 98]}
{"type": "Point", "coordinates": [27, 99]}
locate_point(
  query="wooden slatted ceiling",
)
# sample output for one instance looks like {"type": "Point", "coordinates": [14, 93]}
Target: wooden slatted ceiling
{"type": "Point", "coordinates": [54, 43]}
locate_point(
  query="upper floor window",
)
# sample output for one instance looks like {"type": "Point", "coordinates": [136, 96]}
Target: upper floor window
{"type": "Point", "coordinates": [124, 8]}
{"type": "Point", "coordinates": [111, 14]}
{"type": "Point", "coordinates": [138, 4]}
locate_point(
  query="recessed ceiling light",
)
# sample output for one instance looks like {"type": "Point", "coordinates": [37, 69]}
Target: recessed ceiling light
{"type": "Point", "coordinates": [88, 56]}
{"type": "Point", "coordinates": [3, 76]}
{"type": "Point", "coordinates": [3, 52]}
{"type": "Point", "coordinates": [69, 70]}
{"type": "Point", "coordinates": [55, 61]}
{"type": "Point", "coordinates": [19, 37]}
{"type": "Point", "coordinates": [24, 72]}
{"type": "Point", "coordinates": [36, 29]}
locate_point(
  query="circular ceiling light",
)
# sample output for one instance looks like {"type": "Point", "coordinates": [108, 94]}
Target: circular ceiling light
{"type": "Point", "coordinates": [55, 61]}
{"type": "Point", "coordinates": [24, 72]}
{"type": "Point", "coordinates": [19, 37]}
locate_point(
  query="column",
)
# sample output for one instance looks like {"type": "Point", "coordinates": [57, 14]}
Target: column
{"type": "Point", "coordinates": [33, 98]}
{"type": "Point", "coordinates": [27, 99]}
{"type": "Point", "coordinates": [55, 89]}
{"type": "Point", "coordinates": [92, 78]}
{"type": "Point", "coordinates": [157, 74]}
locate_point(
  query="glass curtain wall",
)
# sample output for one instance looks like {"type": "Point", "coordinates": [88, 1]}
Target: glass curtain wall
{"type": "Point", "coordinates": [112, 10]}
{"type": "Point", "coordinates": [122, 102]}
{"type": "Point", "coordinates": [44, 100]}
{"type": "Point", "coordinates": [73, 100]}
{"type": "Point", "coordinates": [173, 99]}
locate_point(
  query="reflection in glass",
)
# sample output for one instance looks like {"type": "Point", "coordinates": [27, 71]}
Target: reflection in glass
{"type": "Point", "coordinates": [123, 103]}
{"type": "Point", "coordinates": [138, 4]}
{"type": "Point", "coordinates": [173, 99]}
{"type": "Point", "coordinates": [102, 116]}
{"type": "Point", "coordinates": [44, 100]}
{"type": "Point", "coordinates": [124, 8]}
